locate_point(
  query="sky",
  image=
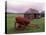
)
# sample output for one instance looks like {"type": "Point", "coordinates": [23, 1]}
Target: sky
{"type": "Point", "coordinates": [21, 6]}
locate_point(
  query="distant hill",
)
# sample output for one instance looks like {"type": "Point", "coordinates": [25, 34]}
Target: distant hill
{"type": "Point", "coordinates": [14, 13]}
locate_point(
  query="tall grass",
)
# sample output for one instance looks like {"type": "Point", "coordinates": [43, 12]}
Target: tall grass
{"type": "Point", "coordinates": [11, 24]}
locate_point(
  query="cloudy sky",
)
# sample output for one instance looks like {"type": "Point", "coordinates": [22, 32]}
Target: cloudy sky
{"type": "Point", "coordinates": [20, 6]}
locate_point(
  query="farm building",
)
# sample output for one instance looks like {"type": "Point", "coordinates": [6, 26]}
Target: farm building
{"type": "Point", "coordinates": [32, 14]}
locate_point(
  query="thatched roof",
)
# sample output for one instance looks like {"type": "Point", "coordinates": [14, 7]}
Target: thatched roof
{"type": "Point", "coordinates": [30, 11]}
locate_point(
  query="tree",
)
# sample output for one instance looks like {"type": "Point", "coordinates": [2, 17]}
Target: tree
{"type": "Point", "coordinates": [42, 13]}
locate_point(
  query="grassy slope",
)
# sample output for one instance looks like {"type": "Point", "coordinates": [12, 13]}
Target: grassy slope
{"type": "Point", "coordinates": [11, 20]}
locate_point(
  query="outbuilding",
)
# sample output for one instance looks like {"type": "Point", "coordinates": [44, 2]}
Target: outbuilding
{"type": "Point", "coordinates": [32, 14]}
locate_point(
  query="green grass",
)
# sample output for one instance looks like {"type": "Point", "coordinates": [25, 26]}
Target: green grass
{"type": "Point", "coordinates": [11, 23]}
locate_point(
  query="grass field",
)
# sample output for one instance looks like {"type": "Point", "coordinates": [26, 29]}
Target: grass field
{"type": "Point", "coordinates": [11, 22]}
